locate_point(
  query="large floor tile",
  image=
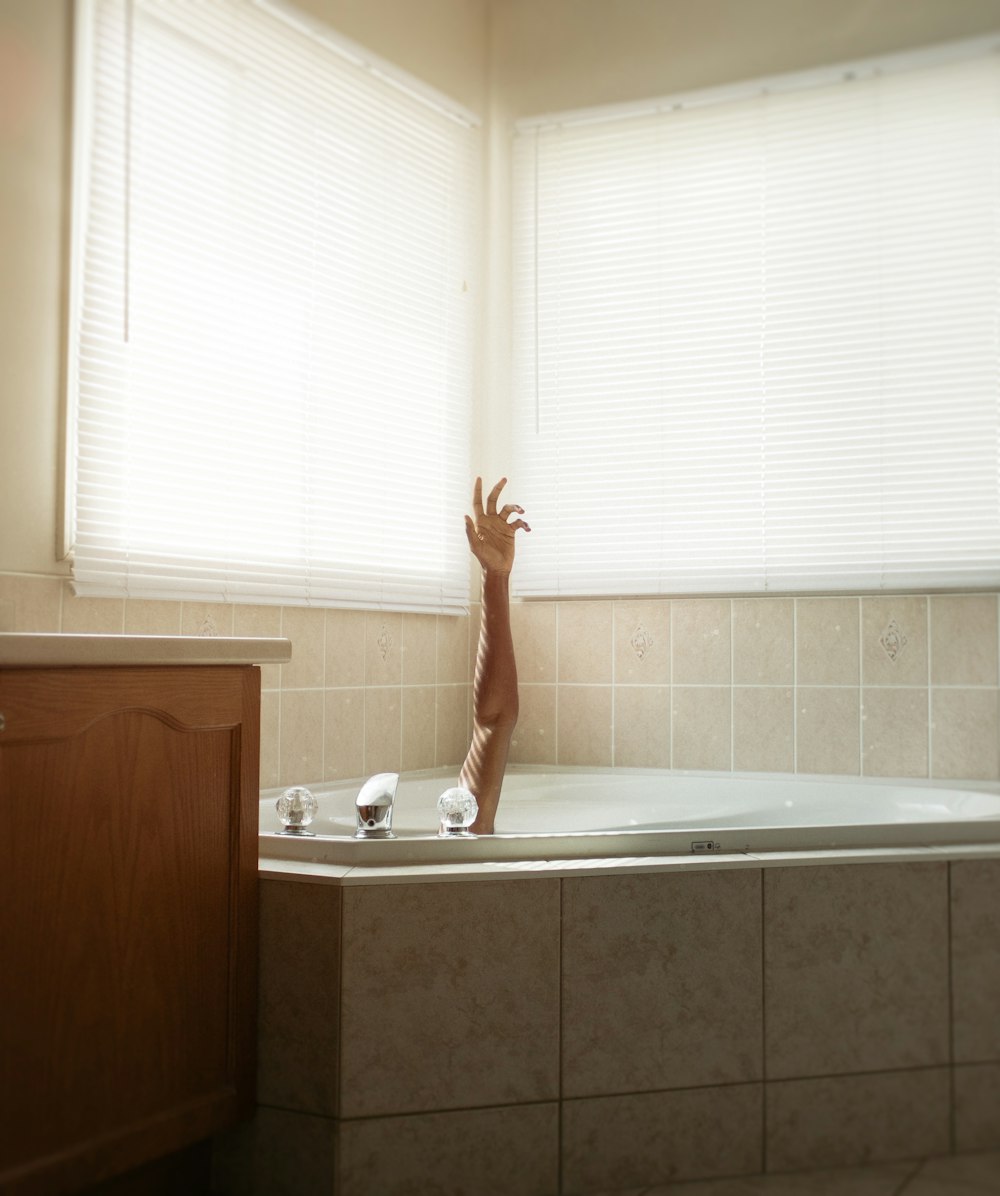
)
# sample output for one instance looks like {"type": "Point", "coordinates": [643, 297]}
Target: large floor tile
{"type": "Point", "coordinates": [661, 981]}
{"type": "Point", "coordinates": [975, 945]}
{"type": "Point", "coordinates": [844, 1121]}
{"type": "Point", "coordinates": [977, 1106]}
{"type": "Point", "coordinates": [450, 996]}
{"type": "Point", "coordinates": [476, 1152]}
{"type": "Point", "coordinates": [298, 996]}
{"type": "Point", "coordinates": [855, 968]}
{"type": "Point", "coordinates": [617, 1142]}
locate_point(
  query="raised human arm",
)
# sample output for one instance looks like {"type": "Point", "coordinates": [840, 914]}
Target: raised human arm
{"type": "Point", "coordinates": [494, 695]}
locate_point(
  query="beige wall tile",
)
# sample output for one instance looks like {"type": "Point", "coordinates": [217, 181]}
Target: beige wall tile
{"type": "Point", "coordinates": [7, 614]}
{"type": "Point", "coordinates": [345, 647]}
{"type": "Point", "coordinates": [533, 627]}
{"type": "Point", "coordinates": [763, 729]}
{"type": "Point", "coordinates": [454, 726]}
{"type": "Point", "coordinates": [975, 946]}
{"type": "Point", "coordinates": [383, 729]}
{"type": "Point", "coordinates": [828, 730]}
{"type": "Point", "coordinates": [894, 732]}
{"type": "Point", "coordinates": [642, 726]}
{"type": "Point", "coordinates": [827, 641]}
{"type": "Point", "coordinates": [471, 1152]}
{"type": "Point", "coordinates": [964, 639]}
{"type": "Point", "coordinates": [534, 739]}
{"type": "Point", "coordinates": [965, 734]}
{"type": "Point", "coordinates": [262, 621]}
{"type": "Point", "coordinates": [419, 721]}
{"type": "Point", "coordinates": [270, 738]}
{"type": "Point", "coordinates": [701, 727]}
{"type": "Point", "coordinates": [92, 616]}
{"type": "Point", "coordinates": [977, 1112]}
{"type": "Point", "coordinates": [383, 658]}
{"type": "Point", "coordinates": [763, 641]}
{"type": "Point", "coordinates": [419, 655]}
{"type": "Point", "coordinates": [255, 1159]}
{"type": "Point", "coordinates": [642, 642]}
{"type": "Point", "coordinates": [343, 733]}
{"type": "Point", "coordinates": [301, 754]}
{"type": "Point", "coordinates": [31, 603]}
{"type": "Point", "coordinates": [846, 1120]}
{"type": "Point", "coordinates": [453, 649]}
{"type": "Point", "coordinates": [466, 1002]}
{"type": "Point", "coordinates": [306, 628]}
{"type": "Point", "coordinates": [645, 1006]}
{"type": "Point", "coordinates": [894, 641]}
{"type": "Point", "coordinates": [298, 1005]}
{"type": "Point", "coordinates": [585, 635]}
{"type": "Point", "coordinates": [856, 968]}
{"type": "Point", "coordinates": [616, 1142]}
{"type": "Point", "coordinates": [585, 730]}
{"type": "Point", "coordinates": [206, 618]}
{"type": "Point", "coordinates": [147, 617]}
{"type": "Point", "coordinates": [702, 639]}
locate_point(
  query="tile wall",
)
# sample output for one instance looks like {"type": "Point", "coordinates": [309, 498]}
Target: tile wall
{"type": "Point", "coordinates": [589, 1033]}
{"type": "Point", "coordinates": [364, 692]}
{"type": "Point", "coordinates": [875, 686]}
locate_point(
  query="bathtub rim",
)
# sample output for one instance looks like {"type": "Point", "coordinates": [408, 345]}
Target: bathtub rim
{"type": "Point", "coordinates": [568, 846]}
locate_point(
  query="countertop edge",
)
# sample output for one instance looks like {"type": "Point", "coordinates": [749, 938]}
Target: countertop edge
{"type": "Point", "coordinates": [59, 650]}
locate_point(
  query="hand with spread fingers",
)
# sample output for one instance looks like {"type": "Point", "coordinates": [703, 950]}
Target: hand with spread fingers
{"type": "Point", "coordinates": [491, 533]}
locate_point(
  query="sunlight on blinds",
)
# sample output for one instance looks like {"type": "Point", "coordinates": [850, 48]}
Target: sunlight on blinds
{"type": "Point", "coordinates": [756, 336]}
{"type": "Point", "coordinates": [274, 316]}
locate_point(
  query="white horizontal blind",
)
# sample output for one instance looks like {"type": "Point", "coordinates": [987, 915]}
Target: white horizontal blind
{"type": "Point", "coordinates": [272, 360]}
{"type": "Point", "coordinates": [756, 339]}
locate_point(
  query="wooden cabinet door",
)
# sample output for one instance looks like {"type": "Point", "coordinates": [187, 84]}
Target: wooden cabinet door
{"type": "Point", "coordinates": [128, 871]}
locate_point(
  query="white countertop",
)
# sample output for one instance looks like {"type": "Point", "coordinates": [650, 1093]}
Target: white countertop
{"type": "Point", "coordinates": [44, 650]}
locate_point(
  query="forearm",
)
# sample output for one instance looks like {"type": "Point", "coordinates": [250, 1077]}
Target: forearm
{"type": "Point", "coordinates": [495, 685]}
{"type": "Point", "coordinates": [495, 701]}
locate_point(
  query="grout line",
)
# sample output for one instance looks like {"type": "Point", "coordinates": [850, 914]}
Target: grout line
{"type": "Point", "coordinates": [952, 1129]}
{"type": "Point", "coordinates": [763, 1019]}
{"type": "Point", "coordinates": [559, 1088]}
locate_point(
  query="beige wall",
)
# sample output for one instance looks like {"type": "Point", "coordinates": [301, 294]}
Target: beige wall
{"type": "Point", "coordinates": [441, 41]}
{"type": "Point", "coordinates": [331, 715]}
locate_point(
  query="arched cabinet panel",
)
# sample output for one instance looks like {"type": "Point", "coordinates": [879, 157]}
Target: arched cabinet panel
{"type": "Point", "coordinates": [128, 863]}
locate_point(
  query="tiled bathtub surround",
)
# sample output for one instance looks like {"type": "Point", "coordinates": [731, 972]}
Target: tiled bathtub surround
{"type": "Point", "coordinates": [591, 1033]}
{"type": "Point", "coordinates": [876, 686]}
{"type": "Point", "coordinates": [364, 692]}
{"type": "Point", "coordinates": [902, 685]}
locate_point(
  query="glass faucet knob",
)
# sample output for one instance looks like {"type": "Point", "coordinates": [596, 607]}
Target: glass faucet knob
{"type": "Point", "coordinates": [296, 808]}
{"type": "Point", "coordinates": [457, 809]}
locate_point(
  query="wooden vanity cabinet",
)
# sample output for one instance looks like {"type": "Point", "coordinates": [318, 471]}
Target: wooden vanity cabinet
{"type": "Point", "coordinates": [128, 873]}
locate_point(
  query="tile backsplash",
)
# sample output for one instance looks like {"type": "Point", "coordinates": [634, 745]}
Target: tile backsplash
{"type": "Point", "coordinates": [900, 685]}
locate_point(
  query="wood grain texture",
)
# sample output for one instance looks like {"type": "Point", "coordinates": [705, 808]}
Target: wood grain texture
{"type": "Point", "coordinates": [128, 856]}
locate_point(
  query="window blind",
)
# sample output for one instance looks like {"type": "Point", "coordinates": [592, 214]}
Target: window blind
{"type": "Point", "coordinates": [272, 325]}
{"type": "Point", "coordinates": [756, 335]}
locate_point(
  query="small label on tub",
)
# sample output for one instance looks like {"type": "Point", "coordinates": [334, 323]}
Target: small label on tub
{"type": "Point", "coordinates": [700, 846]}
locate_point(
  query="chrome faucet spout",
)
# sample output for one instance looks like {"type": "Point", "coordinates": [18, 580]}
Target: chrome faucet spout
{"type": "Point", "coordinates": [374, 806]}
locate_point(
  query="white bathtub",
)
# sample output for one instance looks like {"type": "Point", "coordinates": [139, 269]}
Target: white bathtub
{"type": "Point", "coordinates": [568, 813]}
